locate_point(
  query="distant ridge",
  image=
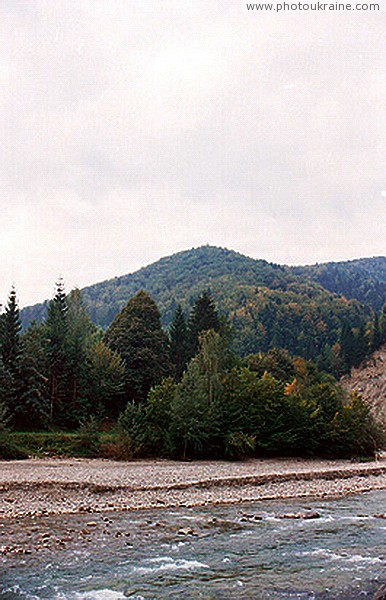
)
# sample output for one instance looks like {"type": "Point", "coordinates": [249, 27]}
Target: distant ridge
{"type": "Point", "coordinates": [362, 278]}
{"type": "Point", "coordinates": [299, 308]}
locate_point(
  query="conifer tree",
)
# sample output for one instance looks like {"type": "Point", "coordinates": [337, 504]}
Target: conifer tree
{"type": "Point", "coordinates": [11, 327]}
{"type": "Point", "coordinates": [77, 341]}
{"type": "Point", "coordinates": [360, 346]}
{"type": "Point", "coordinates": [376, 333]}
{"type": "Point", "coordinates": [179, 342]}
{"type": "Point", "coordinates": [56, 329]}
{"type": "Point", "coordinates": [33, 409]}
{"type": "Point", "coordinates": [137, 335]}
{"type": "Point", "coordinates": [203, 317]}
{"type": "Point", "coordinates": [10, 354]}
{"type": "Point", "coordinates": [347, 344]}
{"type": "Point", "coordinates": [7, 387]}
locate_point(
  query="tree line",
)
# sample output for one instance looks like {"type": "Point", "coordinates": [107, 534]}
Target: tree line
{"type": "Point", "coordinates": [266, 305]}
{"type": "Point", "coordinates": [65, 369]}
{"type": "Point", "coordinates": [180, 393]}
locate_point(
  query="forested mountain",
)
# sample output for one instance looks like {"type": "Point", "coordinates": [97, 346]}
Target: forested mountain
{"type": "Point", "coordinates": [363, 279]}
{"type": "Point", "coordinates": [266, 305]}
{"type": "Point", "coordinates": [174, 279]}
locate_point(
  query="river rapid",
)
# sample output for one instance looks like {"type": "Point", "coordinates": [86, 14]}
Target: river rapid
{"type": "Point", "coordinates": [305, 549]}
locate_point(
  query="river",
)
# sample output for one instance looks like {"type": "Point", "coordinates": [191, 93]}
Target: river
{"type": "Point", "coordinates": [267, 549]}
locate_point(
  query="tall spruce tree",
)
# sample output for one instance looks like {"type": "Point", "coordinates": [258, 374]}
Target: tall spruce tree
{"type": "Point", "coordinates": [11, 354]}
{"type": "Point", "coordinates": [376, 337]}
{"type": "Point", "coordinates": [77, 341]}
{"type": "Point", "coordinates": [361, 346]}
{"type": "Point", "coordinates": [7, 388]}
{"type": "Point", "coordinates": [348, 346]}
{"type": "Point", "coordinates": [137, 335]}
{"type": "Point", "coordinates": [179, 342]}
{"type": "Point", "coordinates": [11, 327]}
{"type": "Point", "coordinates": [33, 389]}
{"type": "Point", "coordinates": [203, 317]}
{"type": "Point", "coordinates": [56, 330]}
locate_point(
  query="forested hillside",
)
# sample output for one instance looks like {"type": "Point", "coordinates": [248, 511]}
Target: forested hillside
{"type": "Point", "coordinates": [181, 394]}
{"type": "Point", "coordinates": [363, 279]}
{"type": "Point", "coordinates": [175, 279]}
{"type": "Point", "coordinates": [266, 305]}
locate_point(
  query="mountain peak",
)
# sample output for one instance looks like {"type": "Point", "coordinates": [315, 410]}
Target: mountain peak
{"type": "Point", "coordinates": [298, 308]}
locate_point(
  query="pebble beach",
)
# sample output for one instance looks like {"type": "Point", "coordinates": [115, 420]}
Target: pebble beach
{"type": "Point", "coordinates": [38, 487]}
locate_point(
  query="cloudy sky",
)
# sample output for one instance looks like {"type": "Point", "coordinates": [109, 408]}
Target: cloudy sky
{"type": "Point", "coordinates": [133, 129]}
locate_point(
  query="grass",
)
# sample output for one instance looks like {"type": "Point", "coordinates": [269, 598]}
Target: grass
{"type": "Point", "coordinates": [16, 444]}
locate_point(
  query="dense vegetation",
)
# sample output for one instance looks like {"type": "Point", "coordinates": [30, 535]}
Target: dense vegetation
{"type": "Point", "coordinates": [363, 279]}
{"type": "Point", "coordinates": [184, 394]}
{"type": "Point", "coordinates": [265, 305]}
{"type": "Point", "coordinates": [223, 409]}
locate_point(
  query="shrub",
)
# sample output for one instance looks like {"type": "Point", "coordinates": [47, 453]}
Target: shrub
{"type": "Point", "coordinates": [89, 436]}
{"type": "Point", "coordinates": [239, 445]}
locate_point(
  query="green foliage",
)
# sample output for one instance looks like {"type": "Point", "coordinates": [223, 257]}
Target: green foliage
{"type": "Point", "coordinates": [55, 332]}
{"type": "Point", "coordinates": [195, 416]}
{"type": "Point", "coordinates": [136, 333]}
{"type": "Point", "coordinates": [363, 279]}
{"type": "Point", "coordinates": [158, 414]}
{"type": "Point", "coordinates": [34, 407]}
{"type": "Point", "coordinates": [20, 382]}
{"type": "Point", "coordinates": [382, 325]}
{"type": "Point", "coordinates": [106, 380]}
{"type": "Point", "coordinates": [194, 421]}
{"type": "Point", "coordinates": [78, 338]}
{"type": "Point", "coordinates": [375, 333]}
{"type": "Point", "coordinates": [4, 417]}
{"type": "Point", "coordinates": [10, 353]}
{"type": "Point", "coordinates": [203, 317]}
{"type": "Point", "coordinates": [10, 334]}
{"type": "Point", "coordinates": [239, 445]}
{"type": "Point", "coordinates": [132, 427]}
{"type": "Point", "coordinates": [265, 304]}
{"type": "Point", "coordinates": [60, 444]}
{"type": "Point", "coordinates": [236, 412]}
{"type": "Point", "coordinates": [60, 372]}
{"type": "Point", "coordinates": [65, 373]}
{"type": "Point", "coordinates": [353, 431]}
{"type": "Point", "coordinates": [9, 450]}
{"type": "Point", "coordinates": [7, 386]}
{"type": "Point", "coordinates": [277, 362]}
{"type": "Point", "coordinates": [178, 334]}
{"type": "Point", "coordinates": [181, 419]}
{"type": "Point", "coordinates": [354, 346]}
{"type": "Point", "coordinates": [89, 437]}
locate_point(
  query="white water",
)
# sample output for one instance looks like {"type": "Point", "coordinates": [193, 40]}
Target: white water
{"type": "Point", "coordinates": [149, 555]}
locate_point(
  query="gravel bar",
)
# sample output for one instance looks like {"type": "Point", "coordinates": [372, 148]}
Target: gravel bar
{"type": "Point", "coordinates": [58, 486]}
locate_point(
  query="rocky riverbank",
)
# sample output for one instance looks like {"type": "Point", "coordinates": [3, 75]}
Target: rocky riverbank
{"type": "Point", "coordinates": [60, 486]}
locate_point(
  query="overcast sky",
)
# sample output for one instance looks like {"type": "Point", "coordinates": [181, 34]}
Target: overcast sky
{"type": "Point", "coordinates": [133, 129]}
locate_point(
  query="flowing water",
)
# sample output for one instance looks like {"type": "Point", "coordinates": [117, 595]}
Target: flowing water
{"type": "Point", "coordinates": [227, 552]}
